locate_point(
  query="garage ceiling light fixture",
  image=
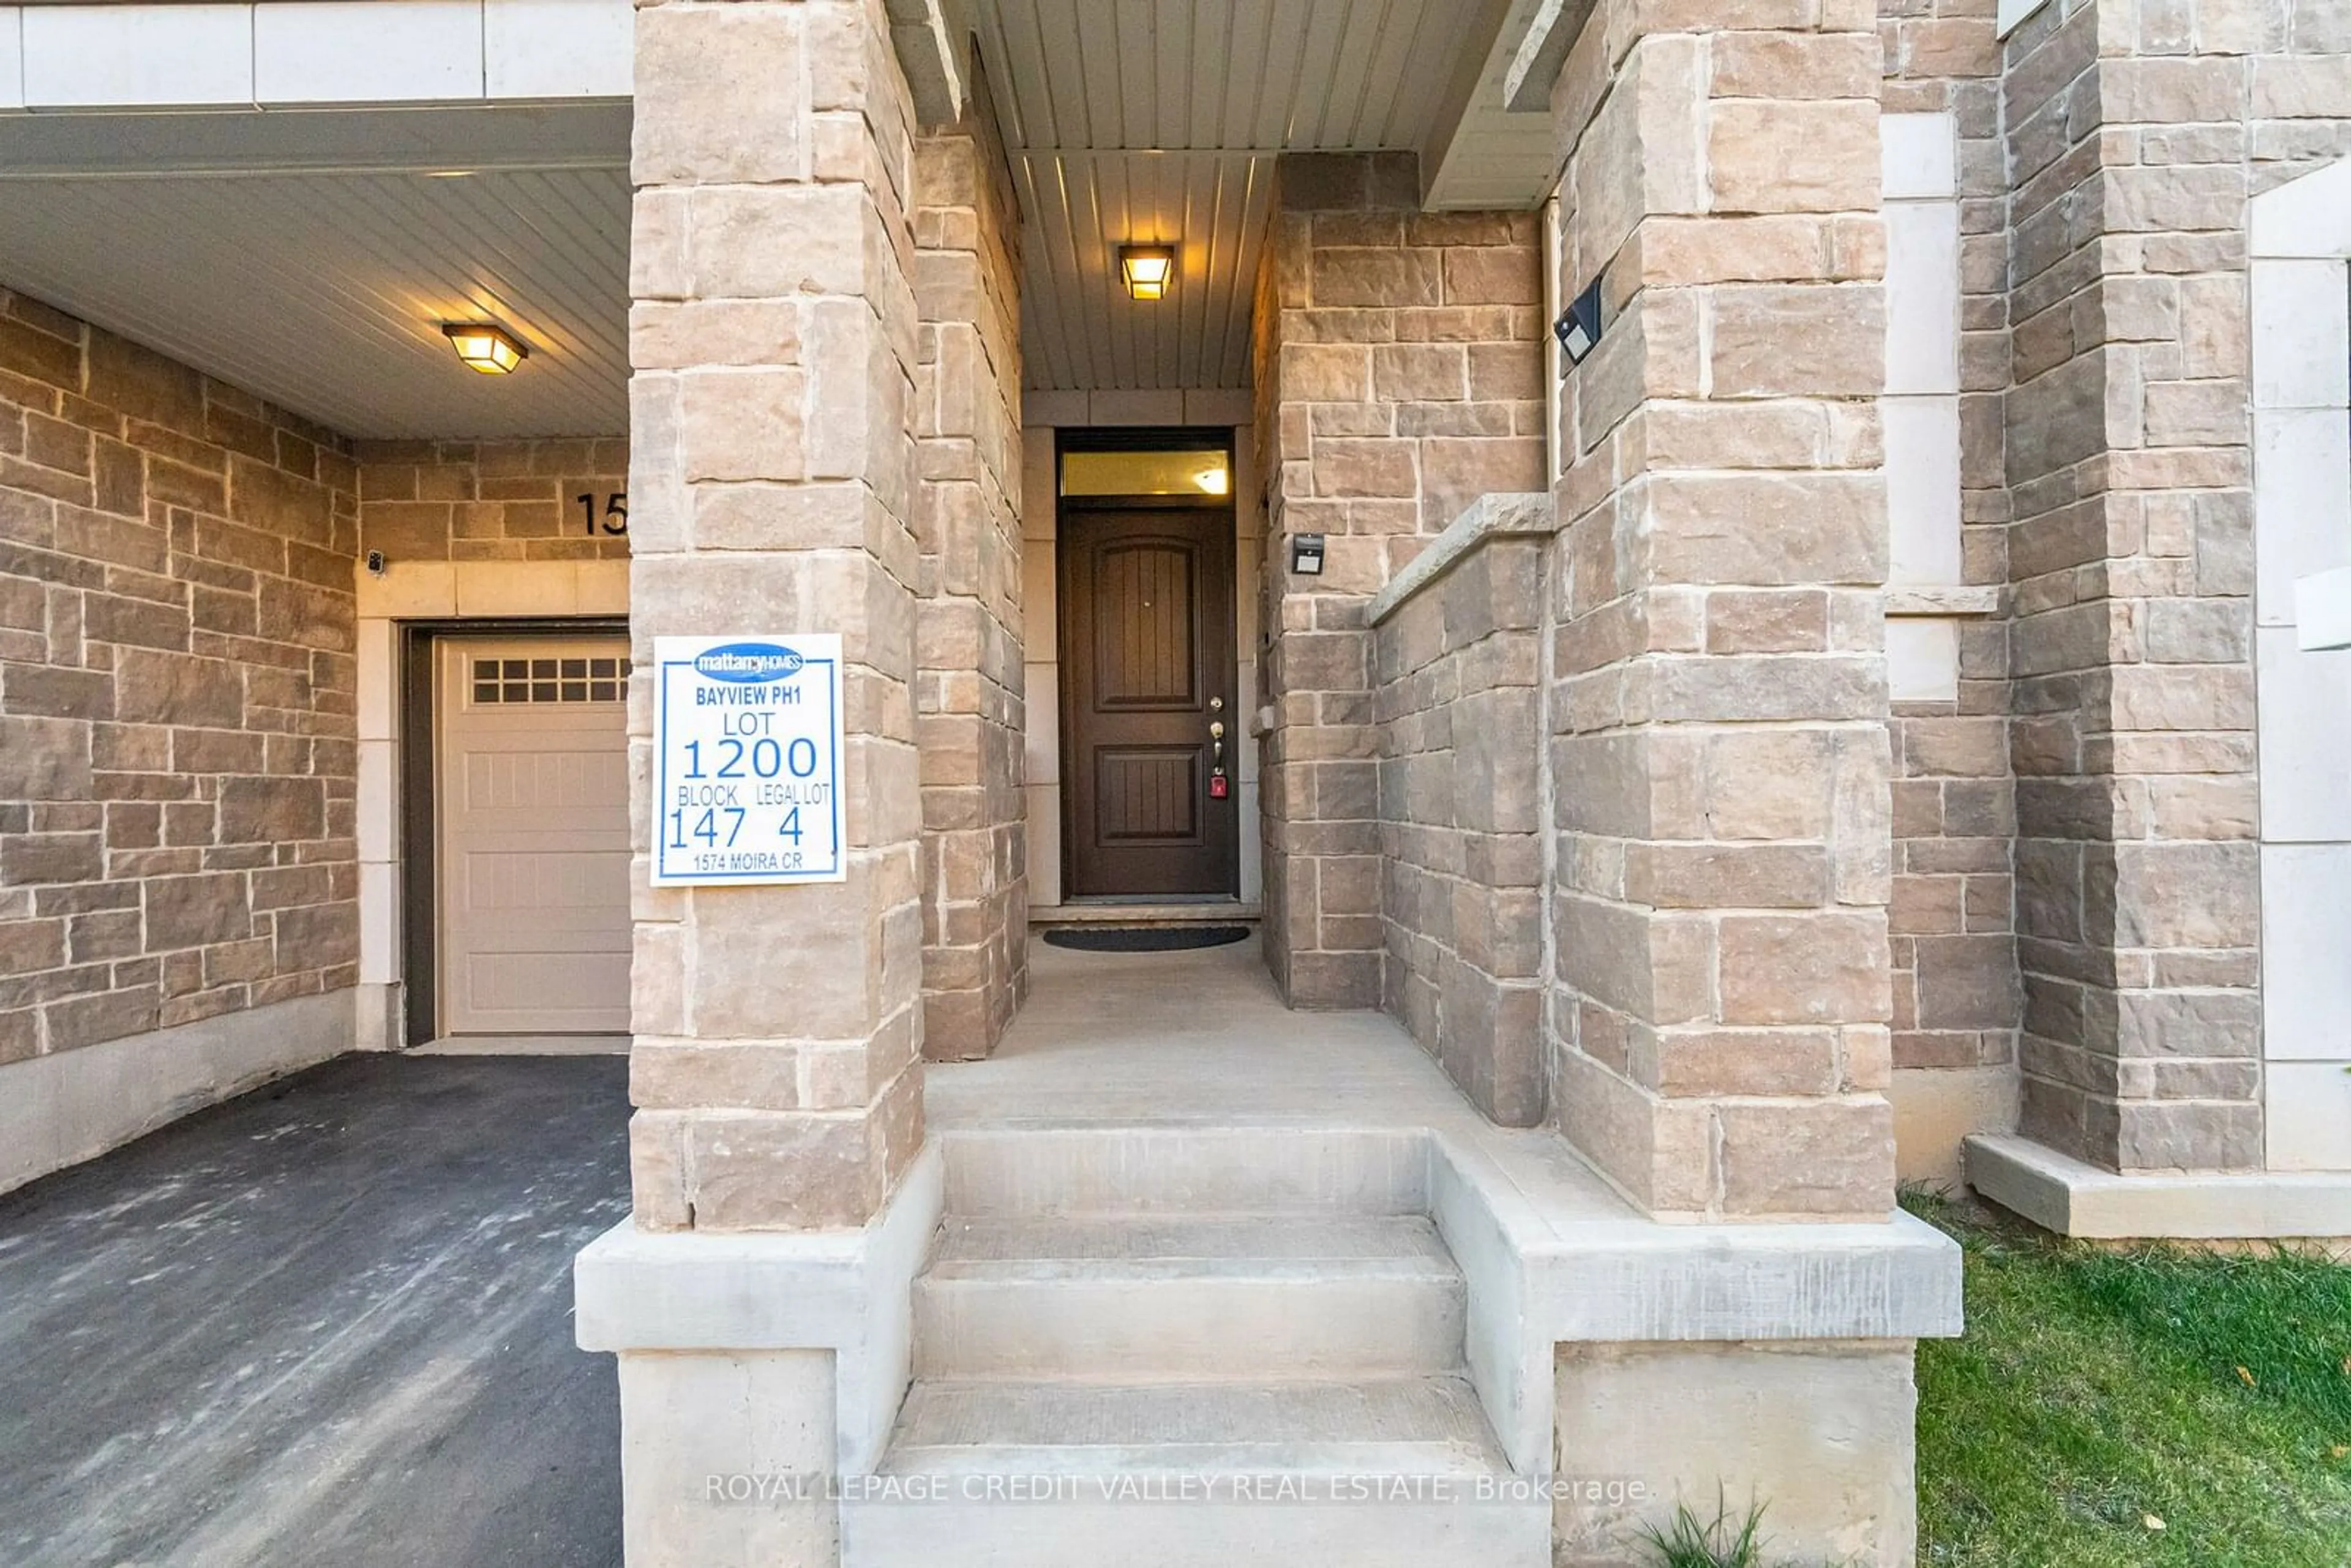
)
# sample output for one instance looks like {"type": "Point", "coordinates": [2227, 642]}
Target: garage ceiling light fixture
{"type": "Point", "coordinates": [1148, 269]}
{"type": "Point", "coordinates": [484, 345]}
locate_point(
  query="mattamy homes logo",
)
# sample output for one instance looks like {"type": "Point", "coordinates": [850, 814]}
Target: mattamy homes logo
{"type": "Point", "coordinates": [749, 663]}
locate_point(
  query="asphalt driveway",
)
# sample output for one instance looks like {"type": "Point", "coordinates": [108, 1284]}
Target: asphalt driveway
{"type": "Point", "coordinates": [327, 1323]}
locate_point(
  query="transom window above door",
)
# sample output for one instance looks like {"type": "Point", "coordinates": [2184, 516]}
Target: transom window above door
{"type": "Point", "coordinates": [1138, 471]}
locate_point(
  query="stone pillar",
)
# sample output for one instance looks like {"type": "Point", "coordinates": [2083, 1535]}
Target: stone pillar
{"type": "Point", "coordinates": [968, 696]}
{"type": "Point", "coordinates": [1398, 378]}
{"type": "Point", "coordinates": [1720, 750]}
{"type": "Point", "coordinates": [2129, 460]}
{"type": "Point", "coordinates": [771, 477]}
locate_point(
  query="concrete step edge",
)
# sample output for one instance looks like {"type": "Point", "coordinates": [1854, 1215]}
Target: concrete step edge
{"type": "Point", "coordinates": [1438, 1410]}
{"type": "Point", "coordinates": [1329, 1459]}
{"type": "Point", "coordinates": [1135, 1236]}
{"type": "Point", "coordinates": [1208, 1273]}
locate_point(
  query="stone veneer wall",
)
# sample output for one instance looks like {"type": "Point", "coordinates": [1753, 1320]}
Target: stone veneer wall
{"type": "Point", "coordinates": [490, 500]}
{"type": "Point", "coordinates": [1720, 762]}
{"type": "Point", "coordinates": [2137, 135]}
{"type": "Point", "coordinates": [1956, 1005]}
{"type": "Point", "coordinates": [772, 481]}
{"type": "Point", "coordinates": [1398, 368]}
{"type": "Point", "coordinates": [1458, 705]}
{"type": "Point", "coordinates": [969, 689]}
{"type": "Point", "coordinates": [177, 741]}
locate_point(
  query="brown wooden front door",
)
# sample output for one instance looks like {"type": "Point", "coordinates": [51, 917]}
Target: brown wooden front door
{"type": "Point", "coordinates": [1146, 668]}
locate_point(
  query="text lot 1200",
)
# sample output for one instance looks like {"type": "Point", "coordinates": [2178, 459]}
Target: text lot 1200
{"type": "Point", "coordinates": [764, 757]}
{"type": "Point", "coordinates": [709, 815]}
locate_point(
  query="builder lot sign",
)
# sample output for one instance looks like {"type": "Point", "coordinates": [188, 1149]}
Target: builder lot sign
{"type": "Point", "coordinates": [747, 760]}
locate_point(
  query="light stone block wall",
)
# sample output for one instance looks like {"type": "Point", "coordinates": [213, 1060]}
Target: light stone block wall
{"type": "Point", "coordinates": [1041, 651]}
{"type": "Point", "coordinates": [1398, 371]}
{"type": "Point", "coordinates": [2136, 136]}
{"type": "Point", "coordinates": [177, 739]}
{"type": "Point", "coordinates": [1722, 989]}
{"type": "Point", "coordinates": [493, 500]}
{"type": "Point", "coordinates": [2300, 291]}
{"type": "Point", "coordinates": [1461, 887]}
{"type": "Point", "coordinates": [773, 488]}
{"type": "Point", "coordinates": [970, 696]}
{"type": "Point", "coordinates": [1958, 1003]}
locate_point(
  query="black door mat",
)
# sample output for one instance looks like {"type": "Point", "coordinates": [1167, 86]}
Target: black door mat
{"type": "Point", "coordinates": [1145, 938]}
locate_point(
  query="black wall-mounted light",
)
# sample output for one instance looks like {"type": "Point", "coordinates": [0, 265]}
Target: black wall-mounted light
{"type": "Point", "coordinates": [1578, 328]}
{"type": "Point", "coordinates": [1306, 554]}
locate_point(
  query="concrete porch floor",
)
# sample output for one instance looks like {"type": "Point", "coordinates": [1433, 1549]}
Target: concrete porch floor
{"type": "Point", "coordinates": [1201, 1038]}
{"type": "Point", "coordinates": [327, 1322]}
{"type": "Point", "coordinates": [1187, 1036]}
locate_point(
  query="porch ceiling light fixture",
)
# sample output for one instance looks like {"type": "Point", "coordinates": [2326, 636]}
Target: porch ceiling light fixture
{"type": "Point", "coordinates": [486, 345]}
{"type": "Point", "coordinates": [1216, 481]}
{"type": "Point", "coordinates": [1148, 269]}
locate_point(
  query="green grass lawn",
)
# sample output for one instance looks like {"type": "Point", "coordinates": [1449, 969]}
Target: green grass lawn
{"type": "Point", "coordinates": [2157, 1407]}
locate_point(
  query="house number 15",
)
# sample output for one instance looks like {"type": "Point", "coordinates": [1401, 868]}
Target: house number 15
{"type": "Point", "coordinates": [615, 519]}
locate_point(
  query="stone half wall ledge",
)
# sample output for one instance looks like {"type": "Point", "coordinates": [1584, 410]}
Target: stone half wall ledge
{"type": "Point", "coordinates": [1487, 517]}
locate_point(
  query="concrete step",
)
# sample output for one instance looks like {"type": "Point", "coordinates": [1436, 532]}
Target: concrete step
{"type": "Point", "coordinates": [1168, 1238]}
{"type": "Point", "coordinates": [1406, 1426]}
{"type": "Point", "coordinates": [1139, 1170]}
{"type": "Point", "coordinates": [1383, 1473]}
{"type": "Point", "coordinates": [1170, 1300]}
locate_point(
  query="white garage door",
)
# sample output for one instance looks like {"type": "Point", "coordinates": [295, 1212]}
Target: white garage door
{"type": "Point", "coordinates": [534, 814]}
